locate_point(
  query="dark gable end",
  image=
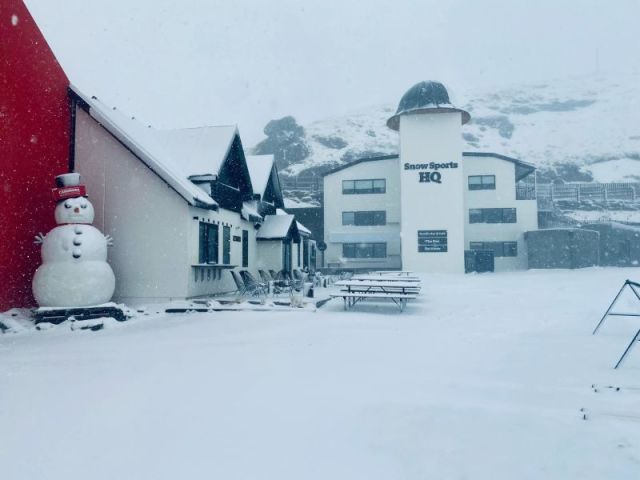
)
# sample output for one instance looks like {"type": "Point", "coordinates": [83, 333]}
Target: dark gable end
{"type": "Point", "coordinates": [273, 193]}
{"type": "Point", "coordinates": [233, 185]}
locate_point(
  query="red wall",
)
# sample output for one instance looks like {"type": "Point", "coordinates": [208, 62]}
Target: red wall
{"type": "Point", "coordinates": [34, 147]}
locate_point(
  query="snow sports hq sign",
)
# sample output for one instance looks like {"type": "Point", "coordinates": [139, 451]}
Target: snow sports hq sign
{"type": "Point", "coordinates": [430, 172]}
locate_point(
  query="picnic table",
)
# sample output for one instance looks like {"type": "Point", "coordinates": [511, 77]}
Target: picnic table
{"type": "Point", "coordinates": [385, 278]}
{"type": "Point", "coordinates": [405, 273]}
{"type": "Point", "coordinates": [358, 289]}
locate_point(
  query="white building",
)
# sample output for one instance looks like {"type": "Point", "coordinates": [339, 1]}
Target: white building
{"type": "Point", "coordinates": [183, 206]}
{"type": "Point", "coordinates": [433, 208]}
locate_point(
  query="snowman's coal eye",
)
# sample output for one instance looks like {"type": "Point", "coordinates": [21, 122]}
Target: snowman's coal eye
{"type": "Point", "coordinates": [84, 205]}
{"type": "Point", "coordinates": [67, 205]}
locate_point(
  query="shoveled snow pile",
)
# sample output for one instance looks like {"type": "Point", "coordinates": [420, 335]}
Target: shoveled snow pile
{"type": "Point", "coordinates": [492, 376]}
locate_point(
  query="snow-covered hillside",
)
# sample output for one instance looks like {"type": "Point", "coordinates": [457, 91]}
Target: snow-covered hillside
{"type": "Point", "coordinates": [592, 122]}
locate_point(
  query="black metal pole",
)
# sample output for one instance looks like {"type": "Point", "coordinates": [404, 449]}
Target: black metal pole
{"type": "Point", "coordinates": [609, 309]}
{"type": "Point", "coordinates": [635, 337]}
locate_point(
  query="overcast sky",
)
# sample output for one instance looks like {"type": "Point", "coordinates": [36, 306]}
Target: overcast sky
{"type": "Point", "coordinates": [195, 62]}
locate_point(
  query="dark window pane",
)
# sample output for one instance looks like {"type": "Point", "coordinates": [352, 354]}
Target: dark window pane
{"type": "Point", "coordinates": [509, 215]}
{"type": "Point", "coordinates": [475, 215]}
{"type": "Point", "coordinates": [482, 182]}
{"type": "Point", "coordinates": [348, 186]}
{"type": "Point", "coordinates": [226, 245]}
{"type": "Point", "coordinates": [348, 250]}
{"type": "Point", "coordinates": [364, 250]}
{"type": "Point", "coordinates": [475, 182]}
{"type": "Point", "coordinates": [379, 218]}
{"type": "Point", "coordinates": [498, 248]}
{"type": "Point", "coordinates": [245, 248]}
{"type": "Point", "coordinates": [363, 186]}
{"type": "Point", "coordinates": [212, 244]}
{"type": "Point", "coordinates": [489, 182]}
{"type": "Point", "coordinates": [202, 242]}
{"type": "Point", "coordinates": [510, 249]}
{"type": "Point", "coordinates": [348, 218]}
{"type": "Point", "coordinates": [492, 215]}
{"type": "Point", "coordinates": [380, 250]}
{"type": "Point", "coordinates": [379, 186]}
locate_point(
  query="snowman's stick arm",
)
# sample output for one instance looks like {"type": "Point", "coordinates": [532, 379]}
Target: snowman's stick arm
{"type": "Point", "coordinates": [109, 240]}
{"type": "Point", "coordinates": [39, 238]}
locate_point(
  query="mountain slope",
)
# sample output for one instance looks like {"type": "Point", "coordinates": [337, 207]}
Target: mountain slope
{"type": "Point", "coordinates": [577, 129]}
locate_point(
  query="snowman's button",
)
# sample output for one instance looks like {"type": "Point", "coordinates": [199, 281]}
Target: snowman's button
{"type": "Point", "coordinates": [77, 242]}
{"type": "Point", "coordinates": [77, 230]}
{"type": "Point", "coordinates": [77, 253]}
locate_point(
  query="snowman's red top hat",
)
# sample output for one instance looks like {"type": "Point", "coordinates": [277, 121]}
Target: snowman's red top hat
{"type": "Point", "coordinates": [68, 186]}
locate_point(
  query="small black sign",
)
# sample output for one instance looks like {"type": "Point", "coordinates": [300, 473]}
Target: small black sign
{"type": "Point", "coordinates": [236, 238]}
{"type": "Point", "coordinates": [432, 241]}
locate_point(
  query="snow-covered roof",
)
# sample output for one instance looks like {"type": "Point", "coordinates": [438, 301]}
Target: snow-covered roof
{"type": "Point", "coordinates": [303, 229]}
{"type": "Point", "coordinates": [250, 211]}
{"type": "Point", "coordinates": [174, 155]}
{"type": "Point", "coordinates": [522, 168]}
{"type": "Point", "coordinates": [260, 167]}
{"type": "Point", "coordinates": [275, 227]}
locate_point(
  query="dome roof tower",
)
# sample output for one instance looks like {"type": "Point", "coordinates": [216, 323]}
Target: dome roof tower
{"type": "Point", "coordinates": [425, 97]}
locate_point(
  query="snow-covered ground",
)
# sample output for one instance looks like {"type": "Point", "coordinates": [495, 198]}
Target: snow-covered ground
{"type": "Point", "coordinates": [483, 377]}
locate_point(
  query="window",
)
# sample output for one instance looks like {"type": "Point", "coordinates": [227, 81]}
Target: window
{"type": "Point", "coordinates": [492, 215]}
{"type": "Point", "coordinates": [377, 217]}
{"type": "Point", "coordinates": [482, 182]}
{"type": "Point", "coordinates": [364, 250]}
{"type": "Point", "coordinates": [351, 187]}
{"type": "Point", "coordinates": [500, 249]}
{"type": "Point", "coordinates": [226, 245]}
{"type": "Point", "coordinates": [208, 243]}
{"type": "Point", "coordinates": [245, 248]}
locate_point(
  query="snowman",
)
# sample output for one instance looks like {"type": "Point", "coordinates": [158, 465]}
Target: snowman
{"type": "Point", "coordinates": [74, 270]}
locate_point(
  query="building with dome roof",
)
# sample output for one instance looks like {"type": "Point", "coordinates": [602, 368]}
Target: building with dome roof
{"type": "Point", "coordinates": [433, 207]}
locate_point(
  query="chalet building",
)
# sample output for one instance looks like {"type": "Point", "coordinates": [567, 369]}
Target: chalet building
{"type": "Point", "coordinates": [433, 208]}
{"type": "Point", "coordinates": [183, 206]}
{"type": "Point", "coordinates": [283, 242]}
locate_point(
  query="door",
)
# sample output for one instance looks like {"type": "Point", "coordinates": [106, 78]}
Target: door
{"type": "Point", "coordinates": [286, 256]}
{"type": "Point", "coordinates": [479, 261]}
{"type": "Point", "coordinates": [226, 245]}
{"type": "Point", "coordinates": [245, 248]}
{"type": "Point", "coordinates": [484, 261]}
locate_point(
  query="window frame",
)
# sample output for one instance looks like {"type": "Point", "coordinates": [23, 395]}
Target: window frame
{"type": "Point", "coordinates": [501, 249]}
{"type": "Point", "coordinates": [493, 215]}
{"type": "Point", "coordinates": [245, 248]}
{"type": "Point", "coordinates": [207, 254]}
{"type": "Point", "coordinates": [364, 218]}
{"type": "Point", "coordinates": [378, 250]}
{"type": "Point", "coordinates": [490, 183]}
{"type": "Point", "coordinates": [376, 186]}
{"type": "Point", "coordinates": [226, 245]}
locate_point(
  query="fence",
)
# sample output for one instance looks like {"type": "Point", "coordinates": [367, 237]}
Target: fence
{"type": "Point", "coordinates": [307, 184]}
{"type": "Point", "coordinates": [588, 191]}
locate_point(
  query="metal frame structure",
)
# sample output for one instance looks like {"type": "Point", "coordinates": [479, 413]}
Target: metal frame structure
{"type": "Point", "coordinates": [632, 286]}
{"type": "Point", "coordinates": [635, 287]}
